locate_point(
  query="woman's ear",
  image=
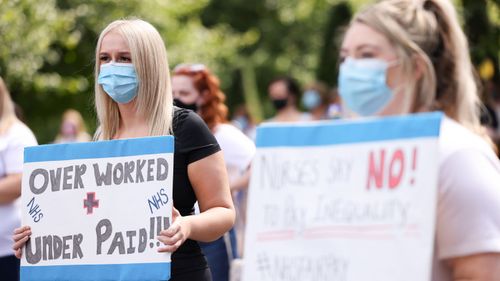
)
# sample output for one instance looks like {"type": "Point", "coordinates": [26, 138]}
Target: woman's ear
{"type": "Point", "coordinates": [420, 67]}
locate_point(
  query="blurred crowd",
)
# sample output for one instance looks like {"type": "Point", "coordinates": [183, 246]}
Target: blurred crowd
{"type": "Point", "coordinates": [128, 108]}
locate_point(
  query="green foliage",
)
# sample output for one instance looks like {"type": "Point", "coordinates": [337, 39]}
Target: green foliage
{"type": "Point", "coordinates": [48, 62]}
{"type": "Point", "coordinates": [48, 47]}
{"type": "Point", "coordinates": [291, 38]}
{"type": "Point", "coordinates": [327, 69]}
{"type": "Point", "coordinates": [483, 32]}
{"type": "Point", "coordinates": [27, 30]}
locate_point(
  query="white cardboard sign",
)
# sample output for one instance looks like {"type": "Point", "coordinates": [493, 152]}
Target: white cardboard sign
{"type": "Point", "coordinates": [343, 201]}
{"type": "Point", "coordinates": [95, 210]}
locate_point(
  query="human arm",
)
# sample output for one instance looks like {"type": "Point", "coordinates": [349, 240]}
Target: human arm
{"type": "Point", "coordinates": [242, 181]}
{"type": "Point", "coordinates": [10, 188]}
{"type": "Point", "coordinates": [481, 267]}
{"type": "Point", "coordinates": [209, 180]}
{"type": "Point", "coordinates": [210, 183]}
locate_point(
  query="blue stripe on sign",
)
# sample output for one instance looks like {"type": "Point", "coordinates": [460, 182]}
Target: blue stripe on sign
{"type": "Point", "coordinates": [99, 149]}
{"type": "Point", "coordinates": [349, 131]}
{"type": "Point", "coordinates": [97, 272]}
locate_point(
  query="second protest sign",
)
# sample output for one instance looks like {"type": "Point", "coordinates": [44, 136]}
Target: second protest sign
{"type": "Point", "coordinates": [343, 201]}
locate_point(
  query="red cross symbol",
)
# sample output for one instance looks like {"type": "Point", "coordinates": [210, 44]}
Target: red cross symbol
{"type": "Point", "coordinates": [90, 203]}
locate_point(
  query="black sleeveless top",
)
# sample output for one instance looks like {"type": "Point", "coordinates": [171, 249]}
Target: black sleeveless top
{"type": "Point", "coordinates": [193, 141]}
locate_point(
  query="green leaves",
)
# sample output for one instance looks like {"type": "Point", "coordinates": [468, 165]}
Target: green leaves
{"type": "Point", "coordinates": [27, 30]}
{"type": "Point", "coordinates": [47, 47]}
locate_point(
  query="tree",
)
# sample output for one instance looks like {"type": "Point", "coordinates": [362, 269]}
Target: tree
{"type": "Point", "coordinates": [483, 33]}
{"type": "Point", "coordinates": [48, 62]}
{"type": "Point", "coordinates": [288, 38]}
{"type": "Point", "coordinates": [339, 16]}
{"type": "Point", "coordinates": [47, 55]}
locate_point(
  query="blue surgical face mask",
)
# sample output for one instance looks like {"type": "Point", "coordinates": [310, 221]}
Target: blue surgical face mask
{"type": "Point", "coordinates": [311, 99]}
{"type": "Point", "coordinates": [362, 85]}
{"type": "Point", "coordinates": [119, 81]}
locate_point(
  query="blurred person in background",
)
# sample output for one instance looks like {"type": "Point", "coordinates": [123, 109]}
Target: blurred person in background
{"type": "Point", "coordinates": [284, 93]}
{"type": "Point", "coordinates": [401, 57]}
{"type": "Point", "coordinates": [243, 120]}
{"type": "Point", "coordinates": [72, 128]}
{"type": "Point", "coordinates": [316, 100]}
{"type": "Point", "coordinates": [335, 110]}
{"type": "Point", "coordinates": [195, 87]}
{"type": "Point", "coordinates": [14, 137]}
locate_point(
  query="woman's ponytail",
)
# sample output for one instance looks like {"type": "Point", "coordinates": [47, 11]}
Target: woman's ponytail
{"type": "Point", "coordinates": [456, 87]}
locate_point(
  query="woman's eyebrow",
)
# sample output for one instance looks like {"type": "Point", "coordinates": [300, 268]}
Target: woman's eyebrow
{"type": "Point", "coordinates": [367, 45]}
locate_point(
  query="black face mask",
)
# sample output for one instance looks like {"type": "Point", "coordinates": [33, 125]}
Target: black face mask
{"type": "Point", "coordinates": [190, 106]}
{"type": "Point", "coordinates": [279, 104]}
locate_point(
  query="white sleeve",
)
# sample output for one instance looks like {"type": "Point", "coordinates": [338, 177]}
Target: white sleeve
{"type": "Point", "coordinates": [238, 149]}
{"type": "Point", "coordinates": [20, 137]}
{"type": "Point", "coordinates": [244, 151]}
{"type": "Point", "coordinates": [468, 218]}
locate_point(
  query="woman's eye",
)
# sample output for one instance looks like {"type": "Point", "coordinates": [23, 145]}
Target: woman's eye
{"type": "Point", "coordinates": [104, 58]}
{"type": "Point", "coordinates": [367, 55]}
{"type": "Point", "coordinates": [125, 59]}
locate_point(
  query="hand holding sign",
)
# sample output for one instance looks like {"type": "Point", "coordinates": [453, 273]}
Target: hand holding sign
{"type": "Point", "coordinates": [175, 235]}
{"type": "Point", "coordinates": [21, 236]}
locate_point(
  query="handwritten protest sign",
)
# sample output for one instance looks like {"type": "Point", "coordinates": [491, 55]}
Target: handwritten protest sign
{"type": "Point", "coordinates": [95, 210]}
{"type": "Point", "coordinates": [343, 201]}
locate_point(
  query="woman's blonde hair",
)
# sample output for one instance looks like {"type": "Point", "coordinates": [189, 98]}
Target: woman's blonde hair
{"type": "Point", "coordinates": [7, 113]}
{"type": "Point", "coordinates": [427, 36]}
{"type": "Point", "coordinates": [154, 97]}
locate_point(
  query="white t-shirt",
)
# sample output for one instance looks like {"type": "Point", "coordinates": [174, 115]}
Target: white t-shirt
{"type": "Point", "coordinates": [12, 145]}
{"type": "Point", "coordinates": [237, 148]}
{"type": "Point", "coordinates": [468, 207]}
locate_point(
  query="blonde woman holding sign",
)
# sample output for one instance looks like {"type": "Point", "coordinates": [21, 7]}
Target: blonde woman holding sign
{"type": "Point", "coordinates": [402, 56]}
{"type": "Point", "coordinates": [134, 99]}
